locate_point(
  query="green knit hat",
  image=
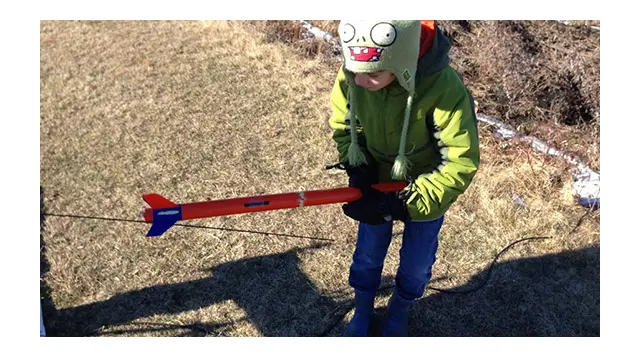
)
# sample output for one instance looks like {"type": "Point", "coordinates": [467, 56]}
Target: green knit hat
{"type": "Point", "coordinates": [389, 45]}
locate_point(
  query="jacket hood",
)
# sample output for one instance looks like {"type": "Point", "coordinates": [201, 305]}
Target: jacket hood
{"type": "Point", "coordinates": [434, 49]}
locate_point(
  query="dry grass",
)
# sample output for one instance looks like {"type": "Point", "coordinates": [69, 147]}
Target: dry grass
{"type": "Point", "coordinates": [542, 77]}
{"type": "Point", "coordinates": [208, 110]}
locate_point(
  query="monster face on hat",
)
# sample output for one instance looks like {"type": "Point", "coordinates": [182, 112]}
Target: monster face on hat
{"type": "Point", "coordinates": [386, 45]}
{"type": "Point", "coordinates": [392, 45]}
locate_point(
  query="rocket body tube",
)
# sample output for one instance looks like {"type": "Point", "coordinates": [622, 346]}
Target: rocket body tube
{"type": "Point", "coordinates": [164, 213]}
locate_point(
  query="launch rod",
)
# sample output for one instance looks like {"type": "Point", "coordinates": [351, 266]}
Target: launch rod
{"type": "Point", "coordinates": [163, 213]}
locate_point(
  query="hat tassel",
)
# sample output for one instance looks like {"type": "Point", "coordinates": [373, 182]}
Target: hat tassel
{"type": "Point", "coordinates": [402, 164]}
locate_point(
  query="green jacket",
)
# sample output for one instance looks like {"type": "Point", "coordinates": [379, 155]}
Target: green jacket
{"type": "Point", "coordinates": [442, 142]}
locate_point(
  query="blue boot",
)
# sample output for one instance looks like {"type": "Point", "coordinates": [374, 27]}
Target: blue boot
{"type": "Point", "coordinates": [396, 322]}
{"type": "Point", "coordinates": [361, 321]}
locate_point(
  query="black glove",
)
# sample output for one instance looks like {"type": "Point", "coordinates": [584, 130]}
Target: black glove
{"type": "Point", "coordinates": [376, 207]}
{"type": "Point", "coordinates": [363, 175]}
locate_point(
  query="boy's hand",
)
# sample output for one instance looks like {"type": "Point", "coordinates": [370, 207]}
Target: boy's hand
{"type": "Point", "coordinates": [376, 207]}
{"type": "Point", "coordinates": [362, 176]}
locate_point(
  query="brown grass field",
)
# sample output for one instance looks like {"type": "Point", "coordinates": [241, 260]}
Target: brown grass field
{"type": "Point", "coordinates": [202, 110]}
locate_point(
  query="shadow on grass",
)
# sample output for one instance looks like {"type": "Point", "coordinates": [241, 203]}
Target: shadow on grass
{"type": "Point", "coordinates": [48, 309]}
{"type": "Point", "coordinates": [276, 296]}
{"type": "Point", "coordinates": [551, 295]}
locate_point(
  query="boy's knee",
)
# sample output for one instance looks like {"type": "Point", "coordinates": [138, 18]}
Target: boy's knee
{"type": "Point", "coordinates": [369, 254]}
{"type": "Point", "coordinates": [367, 260]}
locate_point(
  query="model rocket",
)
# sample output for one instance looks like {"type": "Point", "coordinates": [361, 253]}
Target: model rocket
{"type": "Point", "coordinates": [163, 213]}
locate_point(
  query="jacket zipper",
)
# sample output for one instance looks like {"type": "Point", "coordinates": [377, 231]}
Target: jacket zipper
{"type": "Point", "coordinates": [383, 121]}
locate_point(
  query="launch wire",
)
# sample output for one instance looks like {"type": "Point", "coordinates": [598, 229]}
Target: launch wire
{"type": "Point", "coordinates": [191, 226]}
{"type": "Point", "coordinates": [327, 330]}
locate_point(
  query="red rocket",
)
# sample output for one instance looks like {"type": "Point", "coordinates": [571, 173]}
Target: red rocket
{"type": "Point", "coordinates": [163, 213]}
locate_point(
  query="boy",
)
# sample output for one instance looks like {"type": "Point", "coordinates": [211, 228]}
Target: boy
{"type": "Point", "coordinates": [400, 112]}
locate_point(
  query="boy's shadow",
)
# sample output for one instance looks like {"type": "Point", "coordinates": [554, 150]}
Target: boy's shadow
{"type": "Point", "coordinates": [277, 297]}
{"type": "Point", "coordinates": [550, 295]}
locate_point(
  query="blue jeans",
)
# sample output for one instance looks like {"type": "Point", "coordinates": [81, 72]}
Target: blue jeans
{"type": "Point", "coordinates": [417, 255]}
